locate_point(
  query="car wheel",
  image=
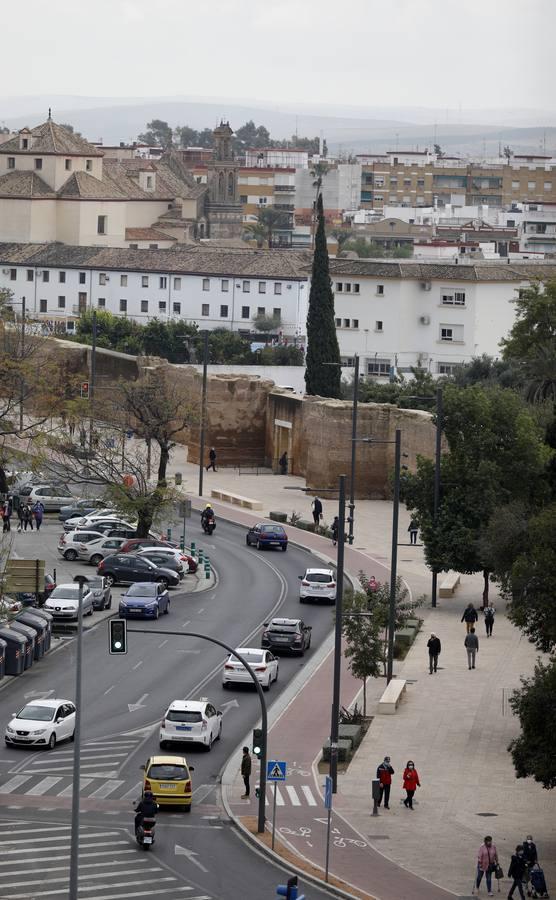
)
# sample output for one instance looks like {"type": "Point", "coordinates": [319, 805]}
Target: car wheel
{"type": "Point", "coordinates": [108, 604]}
{"type": "Point", "coordinates": [284, 547]}
{"type": "Point", "coordinates": [157, 612]}
{"type": "Point", "coordinates": [70, 555]}
{"type": "Point", "coordinates": [247, 541]}
{"type": "Point", "coordinates": [187, 808]}
{"type": "Point", "coordinates": [208, 747]}
{"type": "Point", "coordinates": [51, 741]}
{"type": "Point", "coordinates": [95, 559]}
{"type": "Point", "coordinates": [259, 545]}
{"type": "Point", "coordinates": [72, 736]}
{"type": "Point", "coordinates": [225, 685]}
{"type": "Point", "coordinates": [276, 679]}
{"type": "Point", "coordinates": [219, 735]}
{"type": "Point", "coordinates": [162, 745]}
{"type": "Point", "coordinates": [110, 580]}
{"type": "Point", "coordinates": [302, 599]}
{"type": "Point", "coordinates": [90, 613]}
{"type": "Point", "coordinates": [165, 582]}
{"type": "Point", "coordinates": [266, 687]}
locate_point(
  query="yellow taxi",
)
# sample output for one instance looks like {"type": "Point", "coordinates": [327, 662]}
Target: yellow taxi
{"type": "Point", "coordinates": [169, 779]}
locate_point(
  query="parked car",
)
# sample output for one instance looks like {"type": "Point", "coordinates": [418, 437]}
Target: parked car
{"type": "Point", "coordinates": [63, 602]}
{"type": "Point", "coordinates": [101, 591]}
{"type": "Point", "coordinates": [164, 560]}
{"type": "Point", "coordinates": [263, 535]}
{"type": "Point", "coordinates": [191, 721]}
{"type": "Point", "coordinates": [142, 546]}
{"type": "Point", "coordinates": [51, 496]}
{"type": "Point", "coordinates": [94, 551]}
{"type": "Point", "coordinates": [318, 584]}
{"type": "Point", "coordinates": [141, 543]}
{"type": "Point", "coordinates": [145, 600]}
{"type": "Point", "coordinates": [292, 635]}
{"type": "Point", "coordinates": [110, 519]}
{"type": "Point", "coordinates": [29, 598]}
{"type": "Point", "coordinates": [263, 663]}
{"type": "Point", "coordinates": [42, 723]}
{"type": "Point", "coordinates": [169, 779]}
{"type": "Point", "coordinates": [70, 542]}
{"type": "Point", "coordinates": [126, 568]}
{"type": "Point", "coordinates": [80, 508]}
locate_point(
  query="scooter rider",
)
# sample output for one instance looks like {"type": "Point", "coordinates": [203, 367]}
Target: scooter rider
{"type": "Point", "coordinates": [145, 809]}
{"type": "Point", "coordinates": [207, 515]}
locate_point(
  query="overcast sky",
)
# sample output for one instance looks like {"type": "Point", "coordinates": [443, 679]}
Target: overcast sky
{"type": "Point", "coordinates": [434, 53]}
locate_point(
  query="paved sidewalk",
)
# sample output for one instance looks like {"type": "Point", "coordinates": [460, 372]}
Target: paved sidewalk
{"type": "Point", "coordinates": [456, 724]}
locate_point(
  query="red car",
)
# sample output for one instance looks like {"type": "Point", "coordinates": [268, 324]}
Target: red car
{"type": "Point", "coordinates": [134, 544]}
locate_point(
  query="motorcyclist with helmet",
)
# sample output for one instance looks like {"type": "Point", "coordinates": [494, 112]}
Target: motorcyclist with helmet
{"type": "Point", "coordinates": [145, 809]}
{"type": "Point", "coordinates": [207, 518]}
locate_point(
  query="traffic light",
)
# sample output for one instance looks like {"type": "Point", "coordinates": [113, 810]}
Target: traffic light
{"type": "Point", "coordinates": [257, 742]}
{"type": "Point", "coordinates": [118, 636]}
{"type": "Point", "coordinates": [85, 390]}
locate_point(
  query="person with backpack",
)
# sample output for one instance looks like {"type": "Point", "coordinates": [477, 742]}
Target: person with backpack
{"type": "Point", "coordinates": [38, 513]}
{"type": "Point", "coordinates": [489, 613]}
{"type": "Point", "coordinates": [470, 616]}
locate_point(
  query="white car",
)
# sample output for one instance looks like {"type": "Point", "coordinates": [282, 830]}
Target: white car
{"type": "Point", "coordinates": [69, 542]}
{"type": "Point", "coordinates": [163, 551]}
{"type": "Point", "coordinates": [42, 723]}
{"type": "Point", "coordinates": [263, 663]}
{"type": "Point", "coordinates": [318, 584]}
{"type": "Point", "coordinates": [93, 551]}
{"type": "Point", "coordinates": [102, 515]}
{"type": "Point", "coordinates": [191, 721]}
{"type": "Point", "coordinates": [63, 602]}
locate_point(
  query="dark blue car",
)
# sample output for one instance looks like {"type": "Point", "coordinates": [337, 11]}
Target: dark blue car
{"type": "Point", "coordinates": [144, 600]}
{"type": "Point", "coordinates": [263, 535]}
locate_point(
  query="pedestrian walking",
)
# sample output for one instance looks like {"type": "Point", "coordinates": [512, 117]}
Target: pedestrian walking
{"type": "Point", "coordinates": [20, 508]}
{"type": "Point", "coordinates": [283, 463]}
{"type": "Point", "coordinates": [335, 528]}
{"type": "Point", "coordinates": [471, 644]}
{"type": "Point", "coordinates": [7, 514]}
{"type": "Point", "coordinates": [434, 648]}
{"type": "Point", "coordinates": [212, 460]}
{"type": "Point", "coordinates": [384, 774]}
{"type": "Point", "coordinates": [38, 513]}
{"type": "Point", "coordinates": [410, 783]}
{"type": "Point", "coordinates": [413, 529]}
{"type": "Point", "coordinates": [316, 509]}
{"type": "Point", "coordinates": [246, 772]}
{"type": "Point", "coordinates": [487, 860]}
{"type": "Point", "coordinates": [470, 616]}
{"type": "Point", "coordinates": [27, 516]}
{"type": "Point", "coordinates": [530, 855]}
{"type": "Point", "coordinates": [372, 585]}
{"type": "Point", "coordinates": [489, 613]}
{"type": "Point", "coordinates": [517, 871]}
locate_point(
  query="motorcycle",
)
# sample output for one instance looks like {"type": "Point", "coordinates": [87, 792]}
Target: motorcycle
{"type": "Point", "coordinates": [144, 833]}
{"type": "Point", "coordinates": [208, 524]}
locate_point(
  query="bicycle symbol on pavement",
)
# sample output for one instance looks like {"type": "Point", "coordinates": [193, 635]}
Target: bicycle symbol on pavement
{"type": "Point", "coordinates": [338, 839]}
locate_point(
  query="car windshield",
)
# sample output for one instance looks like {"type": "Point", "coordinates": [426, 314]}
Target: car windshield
{"type": "Point", "coordinates": [272, 529]}
{"type": "Point", "coordinates": [289, 627]}
{"type": "Point", "coordinates": [168, 772]}
{"type": "Point", "coordinates": [39, 713]}
{"type": "Point", "coordinates": [253, 656]}
{"type": "Point", "coordinates": [65, 593]}
{"type": "Point", "coordinates": [142, 590]}
{"type": "Point", "coordinates": [183, 715]}
{"type": "Point", "coordinates": [96, 582]}
{"type": "Point", "coordinates": [319, 577]}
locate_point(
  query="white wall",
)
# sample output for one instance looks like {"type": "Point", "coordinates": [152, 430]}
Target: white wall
{"type": "Point", "coordinates": [285, 376]}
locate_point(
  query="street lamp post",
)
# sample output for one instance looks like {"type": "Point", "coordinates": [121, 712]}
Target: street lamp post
{"type": "Point", "coordinates": [203, 413]}
{"type": "Point", "coordinates": [74, 852]}
{"type": "Point", "coordinates": [351, 518]}
{"type": "Point", "coordinates": [92, 379]}
{"type": "Point", "coordinates": [22, 385]}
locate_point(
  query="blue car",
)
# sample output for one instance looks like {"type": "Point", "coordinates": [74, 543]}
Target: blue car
{"type": "Point", "coordinates": [144, 600]}
{"type": "Point", "coordinates": [263, 535]}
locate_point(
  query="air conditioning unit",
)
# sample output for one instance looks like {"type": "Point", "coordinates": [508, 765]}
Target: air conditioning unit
{"type": "Point", "coordinates": [107, 278]}
{"type": "Point", "coordinates": [425, 320]}
{"type": "Point", "coordinates": [289, 287]}
{"type": "Point", "coordinates": [5, 271]}
{"type": "Point", "coordinates": [426, 285]}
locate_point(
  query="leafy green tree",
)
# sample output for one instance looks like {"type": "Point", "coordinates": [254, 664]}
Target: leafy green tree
{"type": "Point", "coordinates": [281, 355]}
{"type": "Point", "coordinates": [535, 323]}
{"type": "Point", "coordinates": [206, 138]}
{"type": "Point", "coordinates": [320, 379]}
{"type": "Point", "coordinates": [365, 249]}
{"type": "Point", "coordinates": [158, 133]}
{"type": "Point", "coordinates": [255, 231]}
{"type": "Point", "coordinates": [187, 137]}
{"type": "Point", "coordinates": [363, 631]}
{"type": "Point", "coordinates": [266, 324]}
{"type": "Point", "coordinates": [226, 347]}
{"type": "Point", "coordinates": [534, 751]}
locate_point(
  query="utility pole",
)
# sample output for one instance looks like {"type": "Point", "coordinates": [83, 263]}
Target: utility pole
{"type": "Point", "coordinates": [335, 718]}
{"type": "Point", "coordinates": [353, 450]}
{"type": "Point", "coordinates": [394, 557]}
{"type": "Point", "coordinates": [92, 377]}
{"type": "Point", "coordinates": [22, 385]}
{"type": "Point", "coordinates": [438, 449]}
{"type": "Point", "coordinates": [203, 413]}
{"type": "Point", "coordinates": [74, 852]}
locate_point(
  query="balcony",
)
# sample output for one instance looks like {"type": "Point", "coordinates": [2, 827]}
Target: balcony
{"type": "Point", "coordinates": [287, 207]}
{"type": "Point", "coordinates": [285, 188]}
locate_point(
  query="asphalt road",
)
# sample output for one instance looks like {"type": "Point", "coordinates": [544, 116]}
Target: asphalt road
{"type": "Point", "coordinates": [35, 787]}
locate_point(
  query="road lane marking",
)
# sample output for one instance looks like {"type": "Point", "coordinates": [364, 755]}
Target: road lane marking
{"type": "Point", "coordinates": [88, 877]}
{"type": "Point", "coordinates": [308, 795]}
{"type": "Point", "coordinates": [185, 624]}
{"type": "Point", "coordinates": [136, 789]}
{"type": "Point", "coordinates": [279, 799]}
{"type": "Point", "coordinates": [199, 611]}
{"type": "Point", "coordinates": [104, 790]}
{"type": "Point", "coordinates": [34, 830]}
{"type": "Point", "coordinates": [146, 894]}
{"type": "Point", "coordinates": [136, 666]}
{"type": "Point", "coordinates": [202, 792]}
{"type": "Point", "coordinates": [13, 784]}
{"type": "Point", "coordinates": [68, 791]}
{"type": "Point", "coordinates": [36, 859]}
{"type": "Point", "coordinates": [49, 849]}
{"type": "Point", "coordinates": [162, 644]}
{"type": "Point", "coordinates": [54, 837]}
{"type": "Point", "coordinates": [111, 688]}
{"type": "Point", "coordinates": [43, 786]}
{"type": "Point", "coordinates": [293, 795]}
{"type": "Point", "coordinates": [95, 887]}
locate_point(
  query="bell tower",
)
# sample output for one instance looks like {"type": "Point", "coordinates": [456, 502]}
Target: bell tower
{"type": "Point", "coordinates": [225, 213]}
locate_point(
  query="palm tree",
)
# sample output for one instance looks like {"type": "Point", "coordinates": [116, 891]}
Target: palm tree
{"type": "Point", "coordinates": [256, 231]}
{"type": "Point", "coordinates": [268, 221]}
{"type": "Point", "coordinates": [540, 374]}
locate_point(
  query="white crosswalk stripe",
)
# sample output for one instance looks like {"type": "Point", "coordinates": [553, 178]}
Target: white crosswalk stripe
{"type": "Point", "coordinates": [35, 865]}
{"type": "Point", "coordinates": [107, 788]}
{"type": "Point", "coordinates": [308, 795]}
{"type": "Point", "coordinates": [43, 786]}
{"type": "Point", "coordinates": [68, 791]}
{"type": "Point", "coordinates": [13, 784]}
{"type": "Point", "coordinates": [295, 801]}
{"type": "Point", "coordinates": [288, 795]}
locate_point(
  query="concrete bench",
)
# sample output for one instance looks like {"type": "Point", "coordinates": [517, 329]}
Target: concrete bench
{"type": "Point", "coordinates": [235, 499]}
{"type": "Point", "coordinates": [449, 584]}
{"type": "Point", "coordinates": [388, 703]}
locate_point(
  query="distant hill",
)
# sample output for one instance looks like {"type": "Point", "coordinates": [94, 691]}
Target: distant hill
{"type": "Point", "coordinates": [354, 129]}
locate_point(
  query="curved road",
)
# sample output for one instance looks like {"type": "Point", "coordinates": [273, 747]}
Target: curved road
{"type": "Point", "coordinates": [36, 786]}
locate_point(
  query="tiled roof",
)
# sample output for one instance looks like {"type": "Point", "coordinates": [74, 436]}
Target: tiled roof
{"type": "Point", "coordinates": [50, 138]}
{"type": "Point", "coordinates": [433, 271]}
{"type": "Point", "coordinates": [24, 184]}
{"type": "Point", "coordinates": [147, 234]}
{"type": "Point", "coordinates": [87, 187]}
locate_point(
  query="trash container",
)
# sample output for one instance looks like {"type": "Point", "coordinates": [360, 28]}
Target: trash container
{"type": "Point", "coordinates": [30, 636]}
{"type": "Point", "coordinates": [15, 651]}
{"type": "Point", "coordinates": [39, 626]}
{"type": "Point", "coordinates": [48, 618]}
{"type": "Point", "coordinates": [2, 658]}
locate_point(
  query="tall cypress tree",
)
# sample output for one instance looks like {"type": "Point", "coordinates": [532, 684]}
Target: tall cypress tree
{"type": "Point", "coordinates": [322, 343]}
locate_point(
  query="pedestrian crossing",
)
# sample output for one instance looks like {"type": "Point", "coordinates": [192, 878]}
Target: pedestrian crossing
{"type": "Point", "coordinates": [99, 758]}
{"type": "Point", "coordinates": [35, 860]}
{"type": "Point", "coordinates": [289, 795]}
{"type": "Point", "coordinates": [97, 788]}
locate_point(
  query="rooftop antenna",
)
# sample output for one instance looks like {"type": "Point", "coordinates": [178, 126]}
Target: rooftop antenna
{"type": "Point", "coordinates": [49, 113]}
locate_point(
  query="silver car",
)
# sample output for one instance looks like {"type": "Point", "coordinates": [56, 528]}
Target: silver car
{"type": "Point", "coordinates": [51, 496]}
{"type": "Point", "coordinates": [93, 551]}
{"type": "Point", "coordinates": [64, 599]}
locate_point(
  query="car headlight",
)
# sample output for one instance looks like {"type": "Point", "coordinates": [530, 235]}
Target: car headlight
{"type": "Point", "coordinates": [10, 730]}
{"type": "Point", "coordinates": [39, 731]}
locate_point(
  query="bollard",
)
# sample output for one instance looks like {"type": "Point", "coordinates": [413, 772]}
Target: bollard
{"type": "Point", "coordinates": [289, 890]}
{"type": "Point", "coordinates": [182, 544]}
{"type": "Point", "coordinates": [178, 478]}
{"type": "Point", "coordinates": [207, 571]}
{"type": "Point", "coordinates": [201, 554]}
{"type": "Point", "coordinates": [375, 794]}
{"type": "Point", "coordinates": [168, 534]}
{"type": "Point", "coordinates": [193, 549]}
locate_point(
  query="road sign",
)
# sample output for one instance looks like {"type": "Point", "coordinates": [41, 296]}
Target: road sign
{"type": "Point", "coordinates": [275, 770]}
{"type": "Point", "coordinates": [184, 509]}
{"type": "Point", "coordinates": [328, 792]}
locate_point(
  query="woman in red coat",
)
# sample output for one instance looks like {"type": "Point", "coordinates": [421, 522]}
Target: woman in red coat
{"type": "Point", "coordinates": [410, 783]}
